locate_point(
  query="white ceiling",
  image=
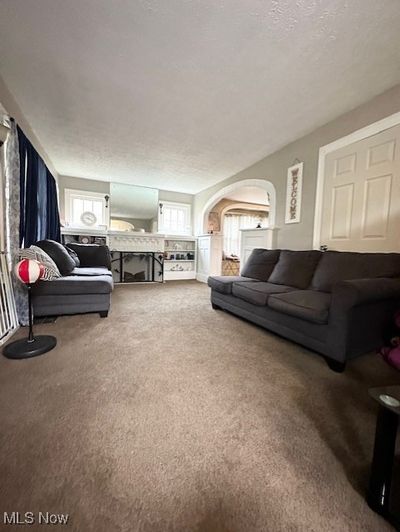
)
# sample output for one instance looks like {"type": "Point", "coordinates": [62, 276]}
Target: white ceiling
{"type": "Point", "coordinates": [180, 94]}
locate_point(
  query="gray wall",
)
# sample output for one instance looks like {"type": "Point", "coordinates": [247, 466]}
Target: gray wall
{"type": "Point", "coordinates": [10, 105]}
{"type": "Point", "coordinates": [274, 168]}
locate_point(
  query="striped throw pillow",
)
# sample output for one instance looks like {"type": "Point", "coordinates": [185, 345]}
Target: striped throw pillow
{"type": "Point", "coordinates": [51, 271]}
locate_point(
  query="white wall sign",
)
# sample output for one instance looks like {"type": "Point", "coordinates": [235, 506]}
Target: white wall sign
{"type": "Point", "coordinates": [293, 193]}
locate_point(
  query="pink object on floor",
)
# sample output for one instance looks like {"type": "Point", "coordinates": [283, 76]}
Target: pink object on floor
{"type": "Point", "coordinates": [384, 352]}
{"type": "Point", "coordinates": [392, 356]}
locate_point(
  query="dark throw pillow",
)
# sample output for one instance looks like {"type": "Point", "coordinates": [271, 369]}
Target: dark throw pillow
{"type": "Point", "coordinates": [59, 254]}
{"type": "Point", "coordinates": [295, 268]}
{"type": "Point", "coordinates": [92, 255]}
{"type": "Point", "coordinates": [260, 263]}
{"type": "Point", "coordinates": [73, 256]}
{"type": "Point", "coordinates": [51, 271]}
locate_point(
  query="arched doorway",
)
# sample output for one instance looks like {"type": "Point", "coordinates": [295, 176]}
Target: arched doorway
{"type": "Point", "coordinates": [212, 252]}
{"type": "Point", "coordinates": [224, 192]}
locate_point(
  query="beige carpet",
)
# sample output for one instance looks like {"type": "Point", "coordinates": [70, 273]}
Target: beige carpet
{"type": "Point", "coordinates": [170, 416]}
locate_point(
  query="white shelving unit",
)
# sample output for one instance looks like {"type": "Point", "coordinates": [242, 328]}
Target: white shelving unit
{"type": "Point", "coordinates": [179, 258]}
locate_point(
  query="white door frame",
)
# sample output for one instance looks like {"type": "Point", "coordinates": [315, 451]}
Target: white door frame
{"type": "Point", "coordinates": [360, 134]}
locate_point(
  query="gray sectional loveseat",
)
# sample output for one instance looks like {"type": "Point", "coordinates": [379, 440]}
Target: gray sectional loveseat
{"type": "Point", "coordinates": [335, 303]}
{"type": "Point", "coordinates": [84, 289]}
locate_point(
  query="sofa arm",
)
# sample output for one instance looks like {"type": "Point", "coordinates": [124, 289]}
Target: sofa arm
{"type": "Point", "coordinates": [359, 312]}
{"type": "Point", "coordinates": [92, 255]}
{"type": "Point", "coordinates": [348, 294]}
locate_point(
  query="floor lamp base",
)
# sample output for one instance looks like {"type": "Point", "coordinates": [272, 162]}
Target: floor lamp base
{"type": "Point", "coordinates": [27, 349]}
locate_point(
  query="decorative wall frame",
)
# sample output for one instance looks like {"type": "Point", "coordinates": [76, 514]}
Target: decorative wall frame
{"type": "Point", "coordinates": [214, 222]}
{"type": "Point", "coordinates": [294, 193]}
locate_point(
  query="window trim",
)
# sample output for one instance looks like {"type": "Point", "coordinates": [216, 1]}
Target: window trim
{"type": "Point", "coordinates": [70, 193]}
{"type": "Point", "coordinates": [188, 217]}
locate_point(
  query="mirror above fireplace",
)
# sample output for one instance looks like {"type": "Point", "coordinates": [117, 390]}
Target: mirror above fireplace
{"type": "Point", "coordinates": [133, 208]}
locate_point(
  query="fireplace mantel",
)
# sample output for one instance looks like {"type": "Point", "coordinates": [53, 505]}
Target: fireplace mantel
{"type": "Point", "coordinates": [135, 241]}
{"type": "Point", "coordinates": [120, 240]}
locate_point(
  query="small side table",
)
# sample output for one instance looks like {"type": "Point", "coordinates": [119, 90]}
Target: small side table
{"type": "Point", "coordinates": [380, 481]}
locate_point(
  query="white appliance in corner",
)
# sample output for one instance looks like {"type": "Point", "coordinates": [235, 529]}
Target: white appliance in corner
{"type": "Point", "coordinates": [209, 256]}
{"type": "Point", "coordinates": [250, 239]}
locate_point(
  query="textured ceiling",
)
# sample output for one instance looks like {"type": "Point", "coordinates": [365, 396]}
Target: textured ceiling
{"type": "Point", "coordinates": [181, 94]}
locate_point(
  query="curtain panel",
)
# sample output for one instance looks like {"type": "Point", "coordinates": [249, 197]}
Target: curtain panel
{"type": "Point", "coordinates": [12, 217]}
{"type": "Point", "coordinates": [39, 218]}
{"type": "Point", "coordinates": [232, 225]}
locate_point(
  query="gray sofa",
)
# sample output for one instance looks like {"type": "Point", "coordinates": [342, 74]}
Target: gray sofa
{"type": "Point", "coordinates": [86, 289]}
{"type": "Point", "coordinates": [335, 303]}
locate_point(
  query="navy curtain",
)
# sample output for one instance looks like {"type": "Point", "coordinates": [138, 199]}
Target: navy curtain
{"type": "Point", "coordinates": [52, 214]}
{"type": "Point", "coordinates": [39, 218]}
{"type": "Point", "coordinates": [22, 142]}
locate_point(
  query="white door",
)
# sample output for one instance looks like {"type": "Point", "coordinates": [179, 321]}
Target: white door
{"type": "Point", "coordinates": [361, 197]}
{"type": "Point", "coordinates": [203, 257]}
{"type": "Point", "coordinates": [209, 256]}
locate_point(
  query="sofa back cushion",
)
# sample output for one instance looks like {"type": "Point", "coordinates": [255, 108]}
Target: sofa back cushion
{"type": "Point", "coordinates": [91, 254]}
{"type": "Point", "coordinates": [59, 254]}
{"type": "Point", "coordinates": [260, 264]}
{"type": "Point", "coordinates": [295, 268]}
{"type": "Point", "coordinates": [337, 266]}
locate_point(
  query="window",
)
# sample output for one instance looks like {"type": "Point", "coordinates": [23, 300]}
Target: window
{"type": "Point", "coordinates": [232, 225]}
{"type": "Point", "coordinates": [174, 218]}
{"type": "Point", "coordinates": [90, 204]}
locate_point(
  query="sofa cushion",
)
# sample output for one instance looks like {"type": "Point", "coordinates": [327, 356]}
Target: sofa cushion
{"type": "Point", "coordinates": [258, 292]}
{"type": "Point", "coordinates": [260, 264]}
{"type": "Point", "coordinates": [308, 305]}
{"type": "Point", "coordinates": [59, 254]}
{"type": "Point", "coordinates": [75, 284]}
{"type": "Point", "coordinates": [337, 266]}
{"type": "Point", "coordinates": [90, 272]}
{"type": "Point", "coordinates": [295, 268]}
{"type": "Point", "coordinates": [223, 283]}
